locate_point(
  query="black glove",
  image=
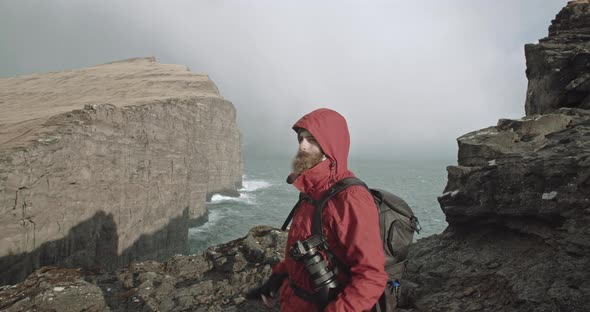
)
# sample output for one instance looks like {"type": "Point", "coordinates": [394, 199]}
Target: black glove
{"type": "Point", "coordinates": [270, 288]}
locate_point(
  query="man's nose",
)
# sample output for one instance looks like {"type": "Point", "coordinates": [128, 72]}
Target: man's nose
{"type": "Point", "coordinates": [303, 145]}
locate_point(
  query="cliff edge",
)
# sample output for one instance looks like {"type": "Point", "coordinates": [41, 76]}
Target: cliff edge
{"type": "Point", "coordinates": [103, 165]}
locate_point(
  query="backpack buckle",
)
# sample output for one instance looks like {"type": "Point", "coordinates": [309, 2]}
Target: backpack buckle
{"type": "Point", "coordinates": [416, 224]}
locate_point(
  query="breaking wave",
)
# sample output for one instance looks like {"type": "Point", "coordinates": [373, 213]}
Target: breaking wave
{"type": "Point", "coordinates": [247, 195]}
{"type": "Point", "coordinates": [213, 218]}
{"type": "Point", "coordinates": [218, 199]}
{"type": "Point", "coordinates": [254, 185]}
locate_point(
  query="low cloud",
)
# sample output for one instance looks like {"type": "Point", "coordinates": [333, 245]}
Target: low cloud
{"type": "Point", "coordinates": [408, 75]}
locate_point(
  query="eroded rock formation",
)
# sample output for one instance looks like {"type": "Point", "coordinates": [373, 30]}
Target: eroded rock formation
{"type": "Point", "coordinates": [518, 202]}
{"type": "Point", "coordinates": [558, 67]}
{"type": "Point", "coordinates": [103, 165]}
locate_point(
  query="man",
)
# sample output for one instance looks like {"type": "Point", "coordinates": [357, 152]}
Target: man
{"type": "Point", "coordinates": [349, 223]}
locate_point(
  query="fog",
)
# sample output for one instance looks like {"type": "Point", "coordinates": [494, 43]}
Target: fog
{"type": "Point", "coordinates": [409, 76]}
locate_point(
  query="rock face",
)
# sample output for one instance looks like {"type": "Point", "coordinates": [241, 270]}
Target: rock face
{"type": "Point", "coordinates": [214, 281]}
{"type": "Point", "coordinates": [518, 202]}
{"type": "Point", "coordinates": [103, 165]}
{"type": "Point", "coordinates": [558, 67]}
{"type": "Point", "coordinates": [533, 169]}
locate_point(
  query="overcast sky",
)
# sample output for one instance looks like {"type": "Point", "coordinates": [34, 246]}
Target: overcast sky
{"type": "Point", "coordinates": [409, 76]}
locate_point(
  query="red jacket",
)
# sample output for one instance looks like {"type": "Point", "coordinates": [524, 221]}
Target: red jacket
{"type": "Point", "coordinates": [350, 223]}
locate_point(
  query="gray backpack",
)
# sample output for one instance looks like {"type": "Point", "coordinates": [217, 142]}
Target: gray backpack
{"type": "Point", "coordinates": [397, 224]}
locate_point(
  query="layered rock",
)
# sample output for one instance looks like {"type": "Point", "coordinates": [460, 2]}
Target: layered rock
{"type": "Point", "coordinates": [558, 67]}
{"type": "Point", "coordinates": [518, 202]}
{"type": "Point", "coordinates": [102, 165]}
{"type": "Point", "coordinates": [518, 209]}
{"type": "Point", "coordinates": [535, 168]}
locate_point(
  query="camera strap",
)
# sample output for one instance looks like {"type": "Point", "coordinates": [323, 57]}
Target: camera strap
{"type": "Point", "coordinates": [320, 298]}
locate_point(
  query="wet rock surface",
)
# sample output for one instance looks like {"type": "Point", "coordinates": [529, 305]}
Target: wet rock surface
{"type": "Point", "coordinates": [216, 280]}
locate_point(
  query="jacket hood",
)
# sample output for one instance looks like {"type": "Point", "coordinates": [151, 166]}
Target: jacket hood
{"type": "Point", "coordinates": [331, 132]}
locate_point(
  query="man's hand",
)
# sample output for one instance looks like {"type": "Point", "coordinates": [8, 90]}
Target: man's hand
{"type": "Point", "coordinates": [269, 291]}
{"type": "Point", "coordinates": [269, 302]}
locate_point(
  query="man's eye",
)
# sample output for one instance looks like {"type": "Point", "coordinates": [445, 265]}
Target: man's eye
{"type": "Point", "coordinates": [309, 139]}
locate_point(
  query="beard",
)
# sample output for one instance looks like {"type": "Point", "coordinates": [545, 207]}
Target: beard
{"type": "Point", "coordinates": [304, 161]}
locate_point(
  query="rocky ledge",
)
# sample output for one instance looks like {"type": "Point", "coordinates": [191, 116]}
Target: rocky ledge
{"type": "Point", "coordinates": [518, 209]}
{"type": "Point", "coordinates": [213, 281]}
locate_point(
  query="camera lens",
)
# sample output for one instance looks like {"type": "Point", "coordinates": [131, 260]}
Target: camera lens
{"type": "Point", "coordinates": [321, 275]}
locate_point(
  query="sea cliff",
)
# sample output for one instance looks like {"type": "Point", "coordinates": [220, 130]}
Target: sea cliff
{"type": "Point", "coordinates": [107, 164]}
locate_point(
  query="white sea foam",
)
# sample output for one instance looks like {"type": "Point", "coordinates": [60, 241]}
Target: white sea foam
{"type": "Point", "coordinates": [247, 195]}
{"type": "Point", "coordinates": [243, 198]}
{"type": "Point", "coordinates": [254, 185]}
{"type": "Point", "coordinates": [213, 218]}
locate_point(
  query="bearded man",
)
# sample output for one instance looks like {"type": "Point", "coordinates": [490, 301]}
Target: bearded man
{"type": "Point", "coordinates": [350, 225]}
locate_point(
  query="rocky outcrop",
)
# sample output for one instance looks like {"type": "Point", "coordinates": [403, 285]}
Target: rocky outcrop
{"type": "Point", "coordinates": [533, 169]}
{"type": "Point", "coordinates": [217, 280]}
{"type": "Point", "coordinates": [518, 208]}
{"type": "Point", "coordinates": [103, 165]}
{"type": "Point", "coordinates": [518, 202]}
{"type": "Point", "coordinates": [558, 67]}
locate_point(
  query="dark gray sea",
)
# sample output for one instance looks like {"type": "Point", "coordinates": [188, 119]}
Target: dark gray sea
{"type": "Point", "coordinates": [266, 199]}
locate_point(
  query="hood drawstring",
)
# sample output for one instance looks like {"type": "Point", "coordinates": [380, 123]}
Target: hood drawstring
{"type": "Point", "coordinates": [332, 171]}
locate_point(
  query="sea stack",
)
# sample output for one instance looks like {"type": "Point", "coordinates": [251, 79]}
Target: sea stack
{"type": "Point", "coordinates": [107, 164]}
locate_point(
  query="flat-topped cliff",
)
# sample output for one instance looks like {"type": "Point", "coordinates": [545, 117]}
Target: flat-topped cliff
{"type": "Point", "coordinates": [111, 163]}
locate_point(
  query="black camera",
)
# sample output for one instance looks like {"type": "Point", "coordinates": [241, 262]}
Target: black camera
{"type": "Point", "coordinates": [308, 251]}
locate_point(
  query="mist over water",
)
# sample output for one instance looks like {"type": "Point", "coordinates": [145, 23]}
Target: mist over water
{"type": "Point", "coordinates": [266, 199]}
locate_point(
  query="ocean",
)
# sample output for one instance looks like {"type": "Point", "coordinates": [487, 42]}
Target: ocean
{"type": "Point", "coordinates": [266, 199]}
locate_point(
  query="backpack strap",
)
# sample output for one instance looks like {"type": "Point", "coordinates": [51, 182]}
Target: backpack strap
{"type": "Point", "coordinates": [316, 222]}
{"type": "Point", "coordinates": [302, 197]}
{"type": "Point", "coordinates": [319, 205]}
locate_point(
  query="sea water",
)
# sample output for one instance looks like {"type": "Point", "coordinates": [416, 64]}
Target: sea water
{"type": "Point", "coordinates": [266, 199]}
